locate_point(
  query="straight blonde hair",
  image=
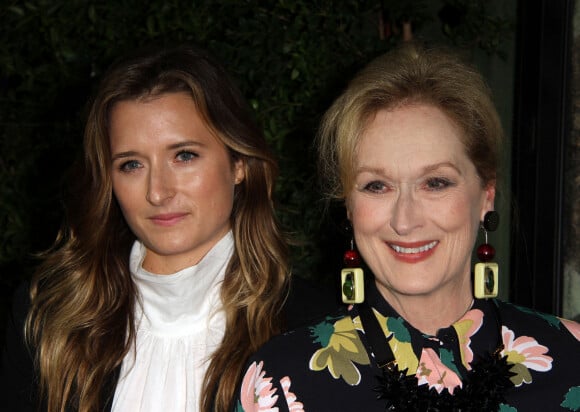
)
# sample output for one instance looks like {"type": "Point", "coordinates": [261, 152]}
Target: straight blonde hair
{"type": "Point", "coordinates": [409, 74]}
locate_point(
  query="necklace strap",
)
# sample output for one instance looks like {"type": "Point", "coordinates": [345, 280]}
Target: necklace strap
{"type": "Point", "coordinates": [484, 388]}
{"type": "Point", "coordinates": [378, 342]}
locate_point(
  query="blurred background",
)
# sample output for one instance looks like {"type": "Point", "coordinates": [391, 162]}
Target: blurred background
{"type": "Point", "coordinates": [291, 58]}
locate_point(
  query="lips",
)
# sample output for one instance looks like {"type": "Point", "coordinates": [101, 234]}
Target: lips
{"type": "Point", "coordinates": [413, 252]}
{"type": "Point", "coordinates": [167, 219]}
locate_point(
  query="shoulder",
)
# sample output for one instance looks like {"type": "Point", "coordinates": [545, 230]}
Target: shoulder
{"type": "Point", "coordinates": [542, 349]}
{"type": "Point", "coordinates": [301, 342]}
{"type": "Point", "coordinates": [292, 369]}
{"type": "Point", "coordinates": [537, 319]}
{"type": "Point", "coordinates": [307, 302]}
{"type": "Point", "coordinates": [544, 327]}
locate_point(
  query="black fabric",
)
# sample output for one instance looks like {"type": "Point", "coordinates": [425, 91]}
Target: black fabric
{"type": "Point", "coordinates": [329, 366]}
{"type": "Point", "coordinates": [18, 381]}
{"type": "Point", "coordinates": [377, 341]}
{"type": "Point", "coordinates": [484, 387]}
{"type": "Point", "coordinates": [307, 302]}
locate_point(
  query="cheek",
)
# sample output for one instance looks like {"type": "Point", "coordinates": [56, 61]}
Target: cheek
{"type": "Point", "coordinates": [213, 190]}
{"type": "Point", "coordinates": [128, 208]}
{"type": "Point", "coordinates": [191, 182]}
{"type": "Point", "coordinates": [367, 215]}
{"type": "Point", "coordinates": [122, 194]}
{"type": "Point", "coordinates": [128, 195]}
{"type": "Point", "coordinates": [211, 184]}
{"type": "Point", "coordinates": [460, 217]}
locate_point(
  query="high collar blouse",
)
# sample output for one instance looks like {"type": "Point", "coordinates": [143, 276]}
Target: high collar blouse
{"type": "Point", "coordinates": [179, 323]}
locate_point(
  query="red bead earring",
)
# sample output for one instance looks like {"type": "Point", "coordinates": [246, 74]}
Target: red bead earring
{"type": "Point", "coordinates": [486, 273]}
{"type": "Point", "coordinates": [352, 276]}
{"type": "Point", "coordinates": [351, 258]}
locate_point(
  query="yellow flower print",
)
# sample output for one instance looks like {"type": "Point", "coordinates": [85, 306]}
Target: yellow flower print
{"type": "Point", "coordinates": [343, 349]}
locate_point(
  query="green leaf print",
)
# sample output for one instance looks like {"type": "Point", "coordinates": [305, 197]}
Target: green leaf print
{"type": "Point", "coordinates": [448, 360]}
{"type": "Point", "coordinates": [239, 407]}
{"type": "Point", "coordinates": [322, 332]}
{"type": "Point", "coordinates": [506, 408]}
{"type": "Point", "coordinates": [522, 374]}
{"type": "Point", "coordinates": [398, 328]}
{"type": "Point", "coordinates": [572, 399]}
{"type": "Point", "coordinates": [551, 319]}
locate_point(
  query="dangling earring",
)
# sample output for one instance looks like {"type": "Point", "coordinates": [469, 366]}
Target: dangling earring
{"type": "Point", "coordinates": [485, 282]}
{"type": "Point", "coordinates": [352, 277]}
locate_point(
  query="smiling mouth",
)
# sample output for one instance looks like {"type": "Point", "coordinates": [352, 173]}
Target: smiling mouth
{"type": "Point", "coordinates": [411, 250]}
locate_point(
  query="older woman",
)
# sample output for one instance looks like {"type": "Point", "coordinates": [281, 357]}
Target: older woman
{"type": "Point", "coordinates": [411, 146]}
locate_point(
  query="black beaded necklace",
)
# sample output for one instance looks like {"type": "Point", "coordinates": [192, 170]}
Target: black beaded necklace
{"type": "Point", "coordinates": [483, 388]}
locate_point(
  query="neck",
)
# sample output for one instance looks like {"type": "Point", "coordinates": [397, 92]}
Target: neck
{"type": "Point", "coordinates": [431, 312]}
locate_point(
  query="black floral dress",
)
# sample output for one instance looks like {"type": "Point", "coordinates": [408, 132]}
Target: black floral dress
{"type": "Point", "coordinates": [329, 366]}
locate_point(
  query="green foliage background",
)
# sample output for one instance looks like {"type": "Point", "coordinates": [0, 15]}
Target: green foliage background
{"type": "Point", "coordinates": [290, 58]}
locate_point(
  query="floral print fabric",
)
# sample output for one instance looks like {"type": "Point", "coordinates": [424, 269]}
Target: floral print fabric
{"type": "Point", "coordinates": [329, 366]}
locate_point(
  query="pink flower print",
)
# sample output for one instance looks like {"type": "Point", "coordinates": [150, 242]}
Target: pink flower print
{"type": "Point", "coordinates": [573, 327]}
{"type": "Point", "coordinates": [291, 400]}
{"type": "Point", "coordinates": [466, 327]}
{"type": "Point", "coordinates": [257, 393]}
{"type": "Point", "coordinates": [433, 372]}
{"type": "Point", "coordinates": [524, 353]}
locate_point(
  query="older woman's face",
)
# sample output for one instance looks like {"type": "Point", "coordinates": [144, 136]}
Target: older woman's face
{"type": "Point", "coordinates": [173, 179]}
{"type": "Point", "coordinates": [417, 202]}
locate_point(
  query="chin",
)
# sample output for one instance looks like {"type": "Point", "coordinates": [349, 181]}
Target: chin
{"type": "Point", "coordinates": [413, 289]}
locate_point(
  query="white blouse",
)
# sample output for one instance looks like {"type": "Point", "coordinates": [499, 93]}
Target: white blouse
{"type": "Point", "coordinates": [180, 322]}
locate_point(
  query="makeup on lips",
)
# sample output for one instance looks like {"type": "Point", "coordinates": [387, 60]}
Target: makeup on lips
{"type": "Point", "coordinates": [412, 252]}
{"type": "Point", "coordinates": [167, 219]}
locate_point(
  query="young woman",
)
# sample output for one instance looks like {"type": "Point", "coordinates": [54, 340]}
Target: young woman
{"type": "Point", "coordinates": [171, 268]}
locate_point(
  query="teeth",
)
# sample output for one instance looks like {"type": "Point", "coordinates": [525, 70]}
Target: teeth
{"type": "Point", "coordinates": [400, 249]}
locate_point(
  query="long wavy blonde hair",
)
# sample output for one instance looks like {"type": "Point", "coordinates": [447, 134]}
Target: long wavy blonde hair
{"type": "Point", "coordinates": [81, 323]}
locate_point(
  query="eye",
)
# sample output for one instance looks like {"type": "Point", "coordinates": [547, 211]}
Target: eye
{"type": "Point", "coordinates": [186, 156]}
{"type": "Point", "coordinates": [130, 165]}
{"type": "Point", "coordinates": [438, 183]}
{"type": "Point", "coordinates": [376, 186]}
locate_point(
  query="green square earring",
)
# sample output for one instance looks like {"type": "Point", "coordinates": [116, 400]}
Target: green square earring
{"type": "Point", "coordinates": [486, 273]}
{"type": "Point", "coordinates": [352, 276]}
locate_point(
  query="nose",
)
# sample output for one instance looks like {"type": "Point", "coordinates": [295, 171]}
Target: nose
{"type": "Point", "coordinates": [161, 185]}
{"type": "Point", "coordinates": [406, 213]}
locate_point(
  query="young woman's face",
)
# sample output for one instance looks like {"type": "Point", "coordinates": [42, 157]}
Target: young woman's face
{"type": "Point", "coordinates": [417, 202]}
{"type": "Point", "coordinates": [173, 179]}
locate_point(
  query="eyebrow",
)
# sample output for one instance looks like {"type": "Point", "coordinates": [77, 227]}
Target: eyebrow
{"type": "Point", "coordinates": [436, 166]}
{"type": "Point", "coordinates": [174, 146]}
{"type": "Point", "coordinates": [425, 170]}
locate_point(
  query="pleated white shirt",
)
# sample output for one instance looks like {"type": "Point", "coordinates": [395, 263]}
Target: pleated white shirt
{"type": "Point", "coordinates": [180, 322]}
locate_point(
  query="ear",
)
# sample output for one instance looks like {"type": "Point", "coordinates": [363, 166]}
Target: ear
{"type": "Point", "coordinates": [348, 213]}
{"type": "Point", "coordinates": [489, 200]}
{"type": "Point", "coordinates": [239, 171]}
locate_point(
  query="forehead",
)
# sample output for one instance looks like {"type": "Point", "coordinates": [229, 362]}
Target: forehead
{"type": "Point", "coordinates": [408, 130]}
{"type": "Point", "coordinates": [164, 117]}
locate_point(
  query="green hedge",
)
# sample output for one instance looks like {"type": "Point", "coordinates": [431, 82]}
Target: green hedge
{"type": "Point", "coordinates": [290, 58]}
